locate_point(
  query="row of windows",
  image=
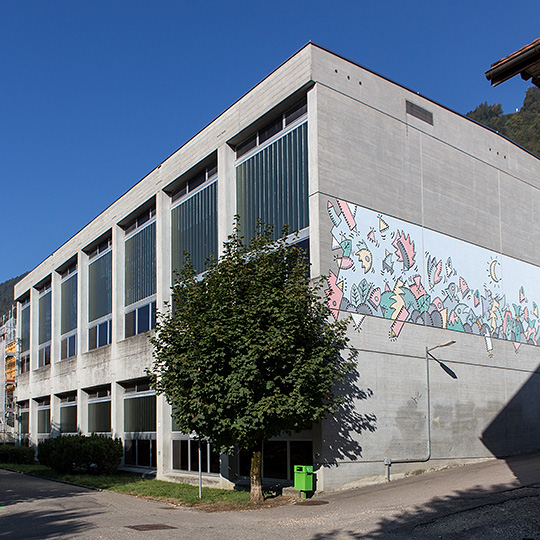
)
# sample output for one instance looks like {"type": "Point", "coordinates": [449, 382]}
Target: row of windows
{"type": "Point", "coordinates": [272, 185]}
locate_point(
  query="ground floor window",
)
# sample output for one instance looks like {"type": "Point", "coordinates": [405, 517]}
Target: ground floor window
{"type": "Point", "coordinates": [140, 452]}
{"type": "Point", "coordinates": [279, 458]}
{"type": "Point", "coordinates": [68, 414]}
{"type": "Point", "coordinates": [139, 424]}
{"type": "Point", "coordinates": [99, 409]}
{"type": "Point", "coordinates": [44, 416]}
{"type": "Point", "coordinates": [186, 456]}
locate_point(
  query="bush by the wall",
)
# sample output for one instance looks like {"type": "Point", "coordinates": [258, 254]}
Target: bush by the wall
{"type": "Point", "coordinates": [94, 453]}
{"type": "Point", "coordinates": [9, 453]}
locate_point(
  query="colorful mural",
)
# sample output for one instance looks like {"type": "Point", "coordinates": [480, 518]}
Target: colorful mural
{"type": "Point", "coordinates": [388, 268]}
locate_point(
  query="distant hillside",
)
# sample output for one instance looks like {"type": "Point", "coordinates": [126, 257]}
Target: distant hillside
{"type": "Point", "coordinates": [523, 127]}
{"type": "Point", "coordinates": [6, 293]}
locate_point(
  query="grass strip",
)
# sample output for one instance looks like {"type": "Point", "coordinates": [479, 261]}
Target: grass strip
{"type": "Point", "coordinates": [174, 492]}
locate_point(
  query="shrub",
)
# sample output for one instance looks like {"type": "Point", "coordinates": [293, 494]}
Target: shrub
{"type": "Point", "coordinates": [9, 453]}
{"type": "Point", "coordinates": [94, 453]}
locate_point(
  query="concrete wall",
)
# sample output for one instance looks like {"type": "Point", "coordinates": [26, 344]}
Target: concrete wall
{"type": "Point", "coordinates": [454, 178]}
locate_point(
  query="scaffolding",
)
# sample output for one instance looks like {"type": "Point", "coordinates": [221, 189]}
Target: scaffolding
{"type": "Point", "coordinates": [9, 352]}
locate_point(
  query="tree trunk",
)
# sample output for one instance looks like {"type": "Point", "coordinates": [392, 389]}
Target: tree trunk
{"type": "Point", "coordinates": [256, 492]}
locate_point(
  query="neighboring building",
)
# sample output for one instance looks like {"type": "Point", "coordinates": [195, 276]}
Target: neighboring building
{"type": "Point", "coordinates": [424, 221]}
{"type": "Point", "coordinates": [524, 62]}
{"type": "Point", "coordinates": [8, 358]}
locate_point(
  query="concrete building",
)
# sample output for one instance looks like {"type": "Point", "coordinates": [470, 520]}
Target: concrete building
{"type": "Point", "coordinates": [425, 224]}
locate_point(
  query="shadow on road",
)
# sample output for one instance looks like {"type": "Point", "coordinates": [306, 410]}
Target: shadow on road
{"type": "Point", "coordinates": [44, 524]}
{"type": "Point", "coordinates": [29, 488]}
{"type": "Point", "coordinates": [475, 513]}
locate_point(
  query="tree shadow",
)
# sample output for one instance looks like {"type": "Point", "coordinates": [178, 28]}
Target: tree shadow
{"type": "Point", "coordinates": [21, 488]}
{"type": "Point", "coordinates": [347, 424]}
{"type": "Point", "coordinates": [28, 524]}
{"type": "Point", "coordinates": [474, 513]}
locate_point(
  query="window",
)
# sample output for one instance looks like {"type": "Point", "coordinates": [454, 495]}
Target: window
{"type": "Point", "coordinates": [269, 131]}
{"type": "Point", "coordinates": [24, 363]}
{"type": "Point", "coordinates": [140, 320]}
{"type": "Point", "coordinates": [99, 410]}
{"type": "Point", "coordinates": [279, 458]}
{"type": "Point", "coordinates": [44, 415]}
{"type": "Point", "coordinates": [68, 413]}
{"type": "Point", "coordinates": [68, 320]}
{"type": "Point", "coordinates": [185, 456]}
{"type": "Point", "coordinates": [194, 225]}
{"type": "Point", "coordinates": [272, 185]}
{"type": "Point", "coordinates": [99, 295]}
{"type": "Point", "coordinates": [140, 273]}
{"type": "Point", "coordinates": [140, 425]}
{"type": "Point", "coordinates": [24, 418]}
{"type": "Point", "coordinates": [44, 328]}
{"type": "Point", "coordinates": [25, 325]}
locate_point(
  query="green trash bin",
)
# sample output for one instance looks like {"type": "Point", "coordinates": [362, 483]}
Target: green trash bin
{"type": "Point", "coordinates": [303, 477]}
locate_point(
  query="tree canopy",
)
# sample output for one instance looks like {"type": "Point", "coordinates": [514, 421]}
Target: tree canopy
{"type": "Point", "coordinates": [248, 351]}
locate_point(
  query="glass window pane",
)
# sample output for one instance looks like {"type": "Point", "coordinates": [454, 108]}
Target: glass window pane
{"type": "Point", "coordinates": [194, 455]}
{"type": "Point", "coordinates": [92, 338]}
{"type": "Point", "coordinates": [44, 420]}
{"type": "Point", "coordinates": [72, 346]}
{"type": "Point", "coordinates": [184, 455]}
{"type": "Point", "coordinates": [143, 453]}
{"type": "Point", "coordinates": [100, 287]}
{"type": "Point", "coordinates": [140, 265]}
{"type": "Point", "coordinates": [275, 459]}
{"type": "Point", "coordinates": [24, 423]}
{"type": "Point", "coordinates": [130, 452]}
{"type": "Point", "coordinates": [69, 305]}
{"type": "Point", "coordinates": [25, 328]}
{"type": "Point", "coordinates": [143, 319]}
{"type": "Point", "coordinates": [273, 185]}
{"type": "Point", "coordinates": [301, 454]}
{"type": "Point", "coordinates": [45, 318]}
{"type": "Point", "coordinates": [103, 334]}
{"type": "Point", "coordinates": [140, 414]}
{"type": "Point", "coordinates": [214, 462]}
{"type": "Point", "coordinates": [68, 419]}
{"type": "Point", "coordinates": [99, 417]}
{"type": "Point", "coordinates": [130, 324]}
{"type": "Point", "coordinates": [176, 455]}
{"type": "Point", "coordinates": [194, 229]}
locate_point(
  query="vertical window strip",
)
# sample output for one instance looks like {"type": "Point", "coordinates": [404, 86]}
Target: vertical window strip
{"type": "Point", "coordinates": [272, 185]}
{"type": "Point", "coordinates": [100, 287]}
{"type": "Point", "coordinates": [68, 319]}
{"type": "Point", "coordinates": [25, 329]}
{"type": "Point", "coordinates": [194, 229]}
{"type": "Point", "coordinates": [140, 265]}
{"type": "Point", "coordinates": [44, 334]}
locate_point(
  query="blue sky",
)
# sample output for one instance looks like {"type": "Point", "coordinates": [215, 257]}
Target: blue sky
{"type": "Point", "coordinates": [95, 94]}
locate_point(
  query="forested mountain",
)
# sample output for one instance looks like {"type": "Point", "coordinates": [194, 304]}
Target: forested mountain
{"type": "Point", "coordinates": [6, 294]}
{"type": "Point", "coordinates": [523, 127]}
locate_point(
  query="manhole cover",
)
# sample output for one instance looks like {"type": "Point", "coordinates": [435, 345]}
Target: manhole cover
{"type": "Point", "coordinates": [150, 527]}
{"type": "Point", "coordinates": [312, 502]}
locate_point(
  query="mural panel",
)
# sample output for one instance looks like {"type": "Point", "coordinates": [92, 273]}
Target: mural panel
{"type": "Point", "coordinates": [389, 268]}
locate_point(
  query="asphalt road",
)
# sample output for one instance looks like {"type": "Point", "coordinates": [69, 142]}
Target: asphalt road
{"type": "Point", "coordinates": [492, 500]}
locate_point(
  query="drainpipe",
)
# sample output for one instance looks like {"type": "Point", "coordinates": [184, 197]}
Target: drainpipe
{"type": "Point", "coordinates": [388, 461]}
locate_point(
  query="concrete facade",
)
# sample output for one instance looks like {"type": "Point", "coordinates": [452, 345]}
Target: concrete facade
{"type": "Point", "coordinates": [424, 222]}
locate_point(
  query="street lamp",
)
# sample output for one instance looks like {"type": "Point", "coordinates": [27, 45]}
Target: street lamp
{"type": "Point", "coordinates": [445, 368]}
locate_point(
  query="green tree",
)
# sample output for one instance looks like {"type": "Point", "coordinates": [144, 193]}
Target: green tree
{"type": "Point", "coordinates": [522, 127]}
{"type": "Point", "coordinates": [249, 351]}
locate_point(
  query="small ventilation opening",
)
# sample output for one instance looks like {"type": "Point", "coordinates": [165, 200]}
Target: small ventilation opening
{"type": "Point", "coordinates": [419, 112]}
